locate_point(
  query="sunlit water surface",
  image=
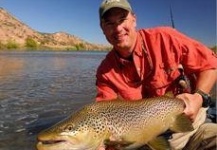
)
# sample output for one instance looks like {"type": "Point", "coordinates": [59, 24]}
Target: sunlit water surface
{"type": "Point", "coordinates": [38, 89]}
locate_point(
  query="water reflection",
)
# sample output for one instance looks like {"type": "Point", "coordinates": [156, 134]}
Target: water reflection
{"type": "Point", "coordinates": [9, 67]}
{"type": "Point", "coordinates": [38, 89]}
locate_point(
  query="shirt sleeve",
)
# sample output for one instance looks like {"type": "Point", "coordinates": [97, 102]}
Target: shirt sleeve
{"type": "Point", "coordinates": [104, 90]}
{"type": "Point", "coordinates": [195, 56]}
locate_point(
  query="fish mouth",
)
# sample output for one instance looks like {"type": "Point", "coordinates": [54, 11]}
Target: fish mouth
{"type": "Point", "coordinates": [52, 142]}
{"type": "Point", "coordinates": [58, 144]}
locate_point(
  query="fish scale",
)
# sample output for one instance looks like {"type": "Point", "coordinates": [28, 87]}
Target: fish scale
{"type": "Point", "coordinates": [124, 125]}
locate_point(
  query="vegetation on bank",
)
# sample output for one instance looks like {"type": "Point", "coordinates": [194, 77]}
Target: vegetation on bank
{"type": "Point", "coordinates": [31, 44]}
{"type": "Point", "coordinates": [13, 45]}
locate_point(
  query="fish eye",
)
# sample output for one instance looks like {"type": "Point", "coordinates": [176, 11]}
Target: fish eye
{"type": "Point", "coordinates": [69, 127]}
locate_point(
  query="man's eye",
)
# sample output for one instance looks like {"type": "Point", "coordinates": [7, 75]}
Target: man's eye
{"type": "Point", "coordinates": [109, 23]}
{"type": "Point", "coordinates": [119, 21]}
{"type": "Point", "coordinates": [122, 20]}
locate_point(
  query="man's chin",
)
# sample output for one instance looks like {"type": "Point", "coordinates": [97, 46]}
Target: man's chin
{"type": "Point", "coordinates": [121, 46]}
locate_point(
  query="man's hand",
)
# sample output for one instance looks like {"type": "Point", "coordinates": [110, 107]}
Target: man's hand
{"type": "Point", "coordinates": [102, 148]}
{"type": "Point", "coordinates": [193, 104]}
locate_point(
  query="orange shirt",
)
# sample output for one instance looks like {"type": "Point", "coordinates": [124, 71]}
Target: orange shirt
{"type": "Point", "coordinates": [153, 67]}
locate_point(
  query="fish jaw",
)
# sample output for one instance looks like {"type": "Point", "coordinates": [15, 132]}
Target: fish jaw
{"type": "Point", "coordinates": [68, 141]}
{"type": "Point", "coordinates": [63, 145]}
{"type": "Point", "coordinates": [60, 142]}
{"type": "Point", "coordinates": [55, 145]}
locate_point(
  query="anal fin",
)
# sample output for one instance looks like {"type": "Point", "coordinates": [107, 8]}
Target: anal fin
{"type": "Point", "coordinates": [159, 143]}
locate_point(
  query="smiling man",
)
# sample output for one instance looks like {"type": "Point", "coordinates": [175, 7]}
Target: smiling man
{"type": "Point", "coordinates": [146, 63]}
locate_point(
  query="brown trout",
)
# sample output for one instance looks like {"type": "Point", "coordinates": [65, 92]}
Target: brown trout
{"type": "Point", "coordinates": [125, 124]}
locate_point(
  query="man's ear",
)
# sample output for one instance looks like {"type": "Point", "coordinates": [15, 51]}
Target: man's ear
{"type": "Point", "coordinates": [101, 25]}
{"type": "Point", "coordinates": [134, 20]}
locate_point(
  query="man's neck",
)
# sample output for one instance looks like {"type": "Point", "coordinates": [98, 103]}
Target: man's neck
{"type": "Point", "coordinates": [127, 55]}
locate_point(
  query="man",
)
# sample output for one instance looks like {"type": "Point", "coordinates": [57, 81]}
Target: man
{"type": "Point", "coordinates": [146, 63]}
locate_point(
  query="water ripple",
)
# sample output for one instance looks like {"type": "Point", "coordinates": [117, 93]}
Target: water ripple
{"type": "Point", "coordinates": [38, 89]}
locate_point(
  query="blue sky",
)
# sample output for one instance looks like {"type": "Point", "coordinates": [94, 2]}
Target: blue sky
{"type": "Point", "coordinates": [195, 18]}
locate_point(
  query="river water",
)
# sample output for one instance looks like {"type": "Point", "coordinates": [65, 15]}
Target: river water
{"type": "Point", "coordinates": [38, 89]}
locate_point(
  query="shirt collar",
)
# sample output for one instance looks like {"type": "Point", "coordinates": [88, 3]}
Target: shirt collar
{"type": "Point", "coordinates": [138, 46]}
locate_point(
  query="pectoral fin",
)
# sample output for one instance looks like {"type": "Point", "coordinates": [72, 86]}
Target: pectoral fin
{"type": "Point", "coordinates": [182, 124]}
{"type": "Point", "coordinates": [117, 145]}
{"type": "Point", "coordinates": [159, 143]}
{"type": "Point", "coordinates": [169, 94]}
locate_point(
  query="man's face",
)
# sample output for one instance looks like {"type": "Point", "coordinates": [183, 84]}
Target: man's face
{"type": "Point", "coordinates": [119, 27]}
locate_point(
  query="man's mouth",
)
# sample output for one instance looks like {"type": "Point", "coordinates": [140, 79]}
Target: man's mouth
{"type": "Point", "coordinates": [120, 37]}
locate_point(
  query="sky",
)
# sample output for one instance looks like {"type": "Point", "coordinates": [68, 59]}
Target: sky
{"type": "Point", "coordinates": [195, 18]}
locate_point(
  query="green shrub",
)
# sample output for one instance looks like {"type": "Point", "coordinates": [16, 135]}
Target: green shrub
{"type": "Point", "coordinates": [31, 43]}
{"type": "Point", "coordinates": [2, 46]}
{"type": "Point", "coordinates": [80, 46]}
{"type": "Point", "coordinates": [11, 44]}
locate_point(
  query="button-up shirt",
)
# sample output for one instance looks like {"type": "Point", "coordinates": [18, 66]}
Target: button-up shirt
{"type": "Point", "coordinates": [153, 66]}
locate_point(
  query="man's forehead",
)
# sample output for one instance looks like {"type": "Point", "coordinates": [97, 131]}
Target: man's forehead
{"type": "Point", "coordinates": [116, 12]}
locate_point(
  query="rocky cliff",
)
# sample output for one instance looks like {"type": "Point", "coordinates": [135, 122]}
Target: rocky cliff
{"type": "Point", "coordinates": [14, 34]}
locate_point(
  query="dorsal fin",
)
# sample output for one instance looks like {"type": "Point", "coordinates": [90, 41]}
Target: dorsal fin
{"type": "Point", "coordinates": [169, 94]}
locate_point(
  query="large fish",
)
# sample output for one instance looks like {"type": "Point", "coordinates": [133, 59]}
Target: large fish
{"type": "Point", "coordinates": [126, 125]}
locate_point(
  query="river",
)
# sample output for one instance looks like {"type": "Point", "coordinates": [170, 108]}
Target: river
{"type": "Point", "coordinates": [38, 89]}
